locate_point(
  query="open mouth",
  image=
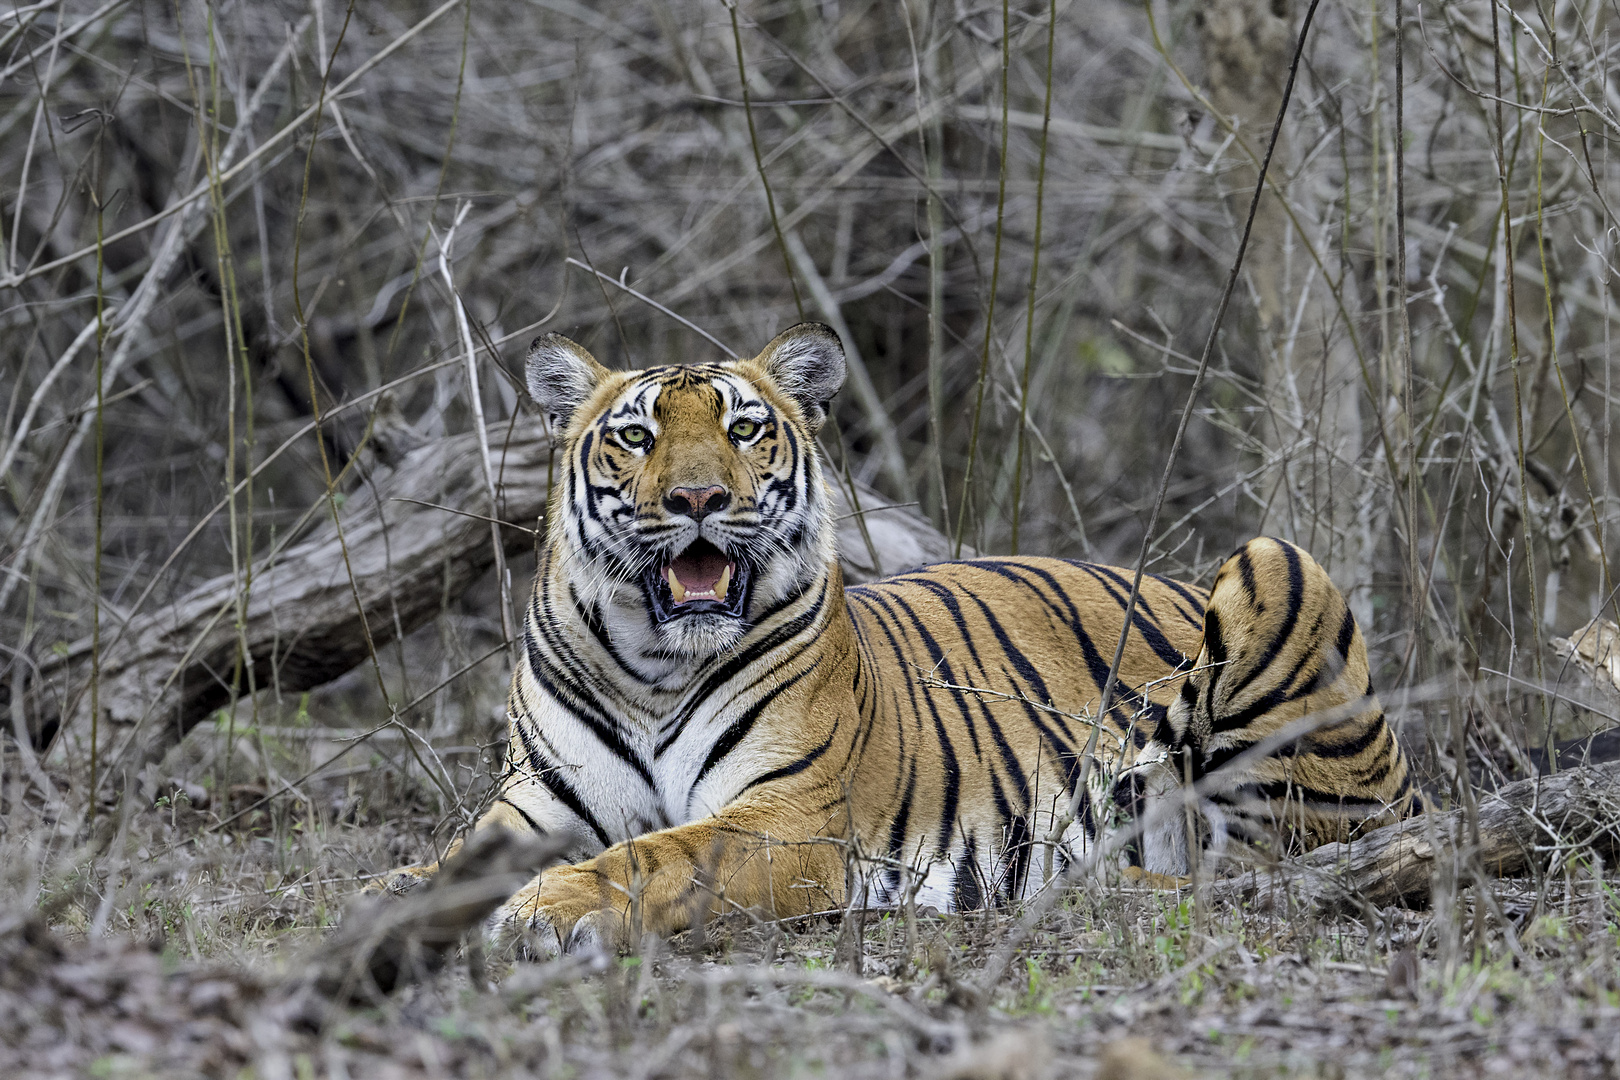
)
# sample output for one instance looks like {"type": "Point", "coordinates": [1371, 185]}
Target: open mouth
{"type": "Point", "coordinates": [702, 580]}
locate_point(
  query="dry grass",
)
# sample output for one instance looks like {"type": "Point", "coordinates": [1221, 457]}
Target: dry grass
{"type": "Point", "coordinates": [236, 217]}
{"type": "Point", "coordinates": [192, 979]}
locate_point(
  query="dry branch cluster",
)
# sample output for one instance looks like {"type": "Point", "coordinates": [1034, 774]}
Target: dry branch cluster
{"type": "Point", "coordinates": [415, 533]}
{"type": "Point", "coordinates": [249, 218]}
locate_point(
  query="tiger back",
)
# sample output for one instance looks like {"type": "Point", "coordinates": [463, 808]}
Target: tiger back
{"type": "Point", "coordinates": [715, 722]}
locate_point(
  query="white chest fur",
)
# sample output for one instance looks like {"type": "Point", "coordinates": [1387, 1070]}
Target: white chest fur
{"type": "Point", "coordinates": [613, 778]}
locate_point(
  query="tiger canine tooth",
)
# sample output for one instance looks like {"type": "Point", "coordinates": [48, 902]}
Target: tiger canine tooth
{"type": "Point", "coordinates": [676, 590]}
{"type": "Point", "coordinates": [724, 584]}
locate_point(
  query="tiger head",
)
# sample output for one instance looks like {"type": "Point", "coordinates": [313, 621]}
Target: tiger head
{"type": "Point", "coordinates": [693, 502]}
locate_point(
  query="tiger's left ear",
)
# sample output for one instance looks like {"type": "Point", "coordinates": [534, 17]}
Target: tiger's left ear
{"type": "Point", "coordinates": [807, 362]}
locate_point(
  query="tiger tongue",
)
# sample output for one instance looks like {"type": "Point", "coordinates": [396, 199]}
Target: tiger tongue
{"type": "Point", "coordinates": [699, 575]}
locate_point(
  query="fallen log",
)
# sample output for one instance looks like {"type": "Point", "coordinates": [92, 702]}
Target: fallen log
{"type": "Point", "coordinates": [1530, 823]}
{"type": "Point", "coordinates": [412, 535]}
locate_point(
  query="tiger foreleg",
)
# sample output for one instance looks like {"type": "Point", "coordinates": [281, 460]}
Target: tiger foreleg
{"type": "Point", "coordinates": [404, 879]}
{"type": "Point", "coordinates": [668, 881]}
{"type": "Point", "coordinates": [1147, 879]}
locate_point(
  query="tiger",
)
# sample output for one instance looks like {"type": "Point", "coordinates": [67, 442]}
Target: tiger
{"type": "Point", "coordinates": [713, 721]}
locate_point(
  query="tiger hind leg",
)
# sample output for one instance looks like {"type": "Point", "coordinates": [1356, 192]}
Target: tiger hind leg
{"type": "Point", "coordinates": [1289, 743]}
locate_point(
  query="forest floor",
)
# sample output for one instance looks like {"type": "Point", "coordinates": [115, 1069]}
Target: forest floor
{"type": "Point", "coordinates": [177, 951]}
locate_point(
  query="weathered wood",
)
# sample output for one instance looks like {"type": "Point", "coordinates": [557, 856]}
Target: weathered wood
{"type": "Point", "coordinates": [170, 669]}
{"type": "Point", "coordinates": [1521, 826]}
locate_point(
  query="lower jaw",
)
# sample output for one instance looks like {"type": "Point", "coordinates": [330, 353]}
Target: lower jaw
{"type": "Point", "coordinates": [707, 622]}
{"type": "Point", "coordinates": [698, 637]}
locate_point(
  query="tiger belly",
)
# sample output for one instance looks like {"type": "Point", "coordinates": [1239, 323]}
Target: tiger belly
{"type": "Point", "coordinates": [983, 680]}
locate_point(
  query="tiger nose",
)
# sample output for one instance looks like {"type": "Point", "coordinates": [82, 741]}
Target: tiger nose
{"type": "Point", "coordinates": [697, 503]}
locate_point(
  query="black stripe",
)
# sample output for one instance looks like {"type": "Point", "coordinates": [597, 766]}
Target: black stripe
{"type": "Point", "coordinates": [1196, 598]}
{"type": "Point", "coordinates": [551, 779]}
{"type": "Point", "coordinates": [1246, 574]}
{"type": "Point", "coordinates": [1347, 632]}
{"type": "Point", "coordinates": [1215, 650]}
{"type": "Point", "coordinates": [902, 818]}
{"type": "Point", "coordinates": [1063, 750]}
{"type": "Point", "coordinates": [940, 664]}
{"type": "Point", "coordinates": [601, 726]}
{"type": "Point", "coordinates": [952, 771]}
{"type": "Point", "coordinates": [739, 728]}
{"type": "Point", "coordinates": [1279, 790]}
{"type": "Point", "coordinates": [1026, 671]}
{"type": "Point", "coordinates": [1088, 814]}
{"type": "Point", "coordinates": [1375, 775]}
{"type": "Point", "coordinates": [1350, 747]}
{"type": "Point", "coordinates": [593, 622]}
{"type": "Point", "coordinates": [565, 667]}
{"type": "Point", "coordinates": [1143, 618]}
{"type": "Point", "coordinates": [1019, 852]}
{"type": "Point", "coordinates": [524, 814]}
{"type": "Point", "coordinates": [1219, 757]}
{"type": "Point", "coordinates": [1163, 732]}
{"type": "Point", "coordinates": [1296, 603]}
{"type": "Point", "coordinates": [739, 661]}
{"type": "Point", "coordinates": [1096, 666]}
{"type": "Point", "coordinates": [1020, 662]}
{"type": "Point", "coordinates": [1281, 694]}
{"type": "Point", "coordinates": [792, 768]}
{"type": "Point", "coordinates": [966, 895]}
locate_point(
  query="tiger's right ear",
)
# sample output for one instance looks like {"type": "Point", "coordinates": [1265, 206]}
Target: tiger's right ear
{"type": "Point", "coordinates": [561, 376]}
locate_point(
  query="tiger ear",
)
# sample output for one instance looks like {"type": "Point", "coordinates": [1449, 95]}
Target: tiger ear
{"type": "Point", "coordinates": [561, 375]}
{"type": "Point", "coordinates": [807, 362]}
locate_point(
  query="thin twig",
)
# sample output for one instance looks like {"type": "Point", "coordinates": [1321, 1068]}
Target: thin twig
{"type": "Point", "coordinates": [475, 400]}
{"type": "Point", "coordinates": [656, 306]}
{"type": "Point", "coordinates": [1034, 279]}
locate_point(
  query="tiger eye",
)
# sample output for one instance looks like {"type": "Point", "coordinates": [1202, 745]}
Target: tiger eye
{"type": "Point", "coordinates": [744, 429]}
{"type": "Point", "coordinates": [634, 436]}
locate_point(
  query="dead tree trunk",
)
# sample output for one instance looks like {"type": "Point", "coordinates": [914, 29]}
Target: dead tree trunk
{"type": "Point", "coordinates": [410, 537]}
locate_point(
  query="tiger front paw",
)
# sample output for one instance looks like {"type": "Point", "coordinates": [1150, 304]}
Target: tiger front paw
{"type": "Point", "coordinates": [562, 911]}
